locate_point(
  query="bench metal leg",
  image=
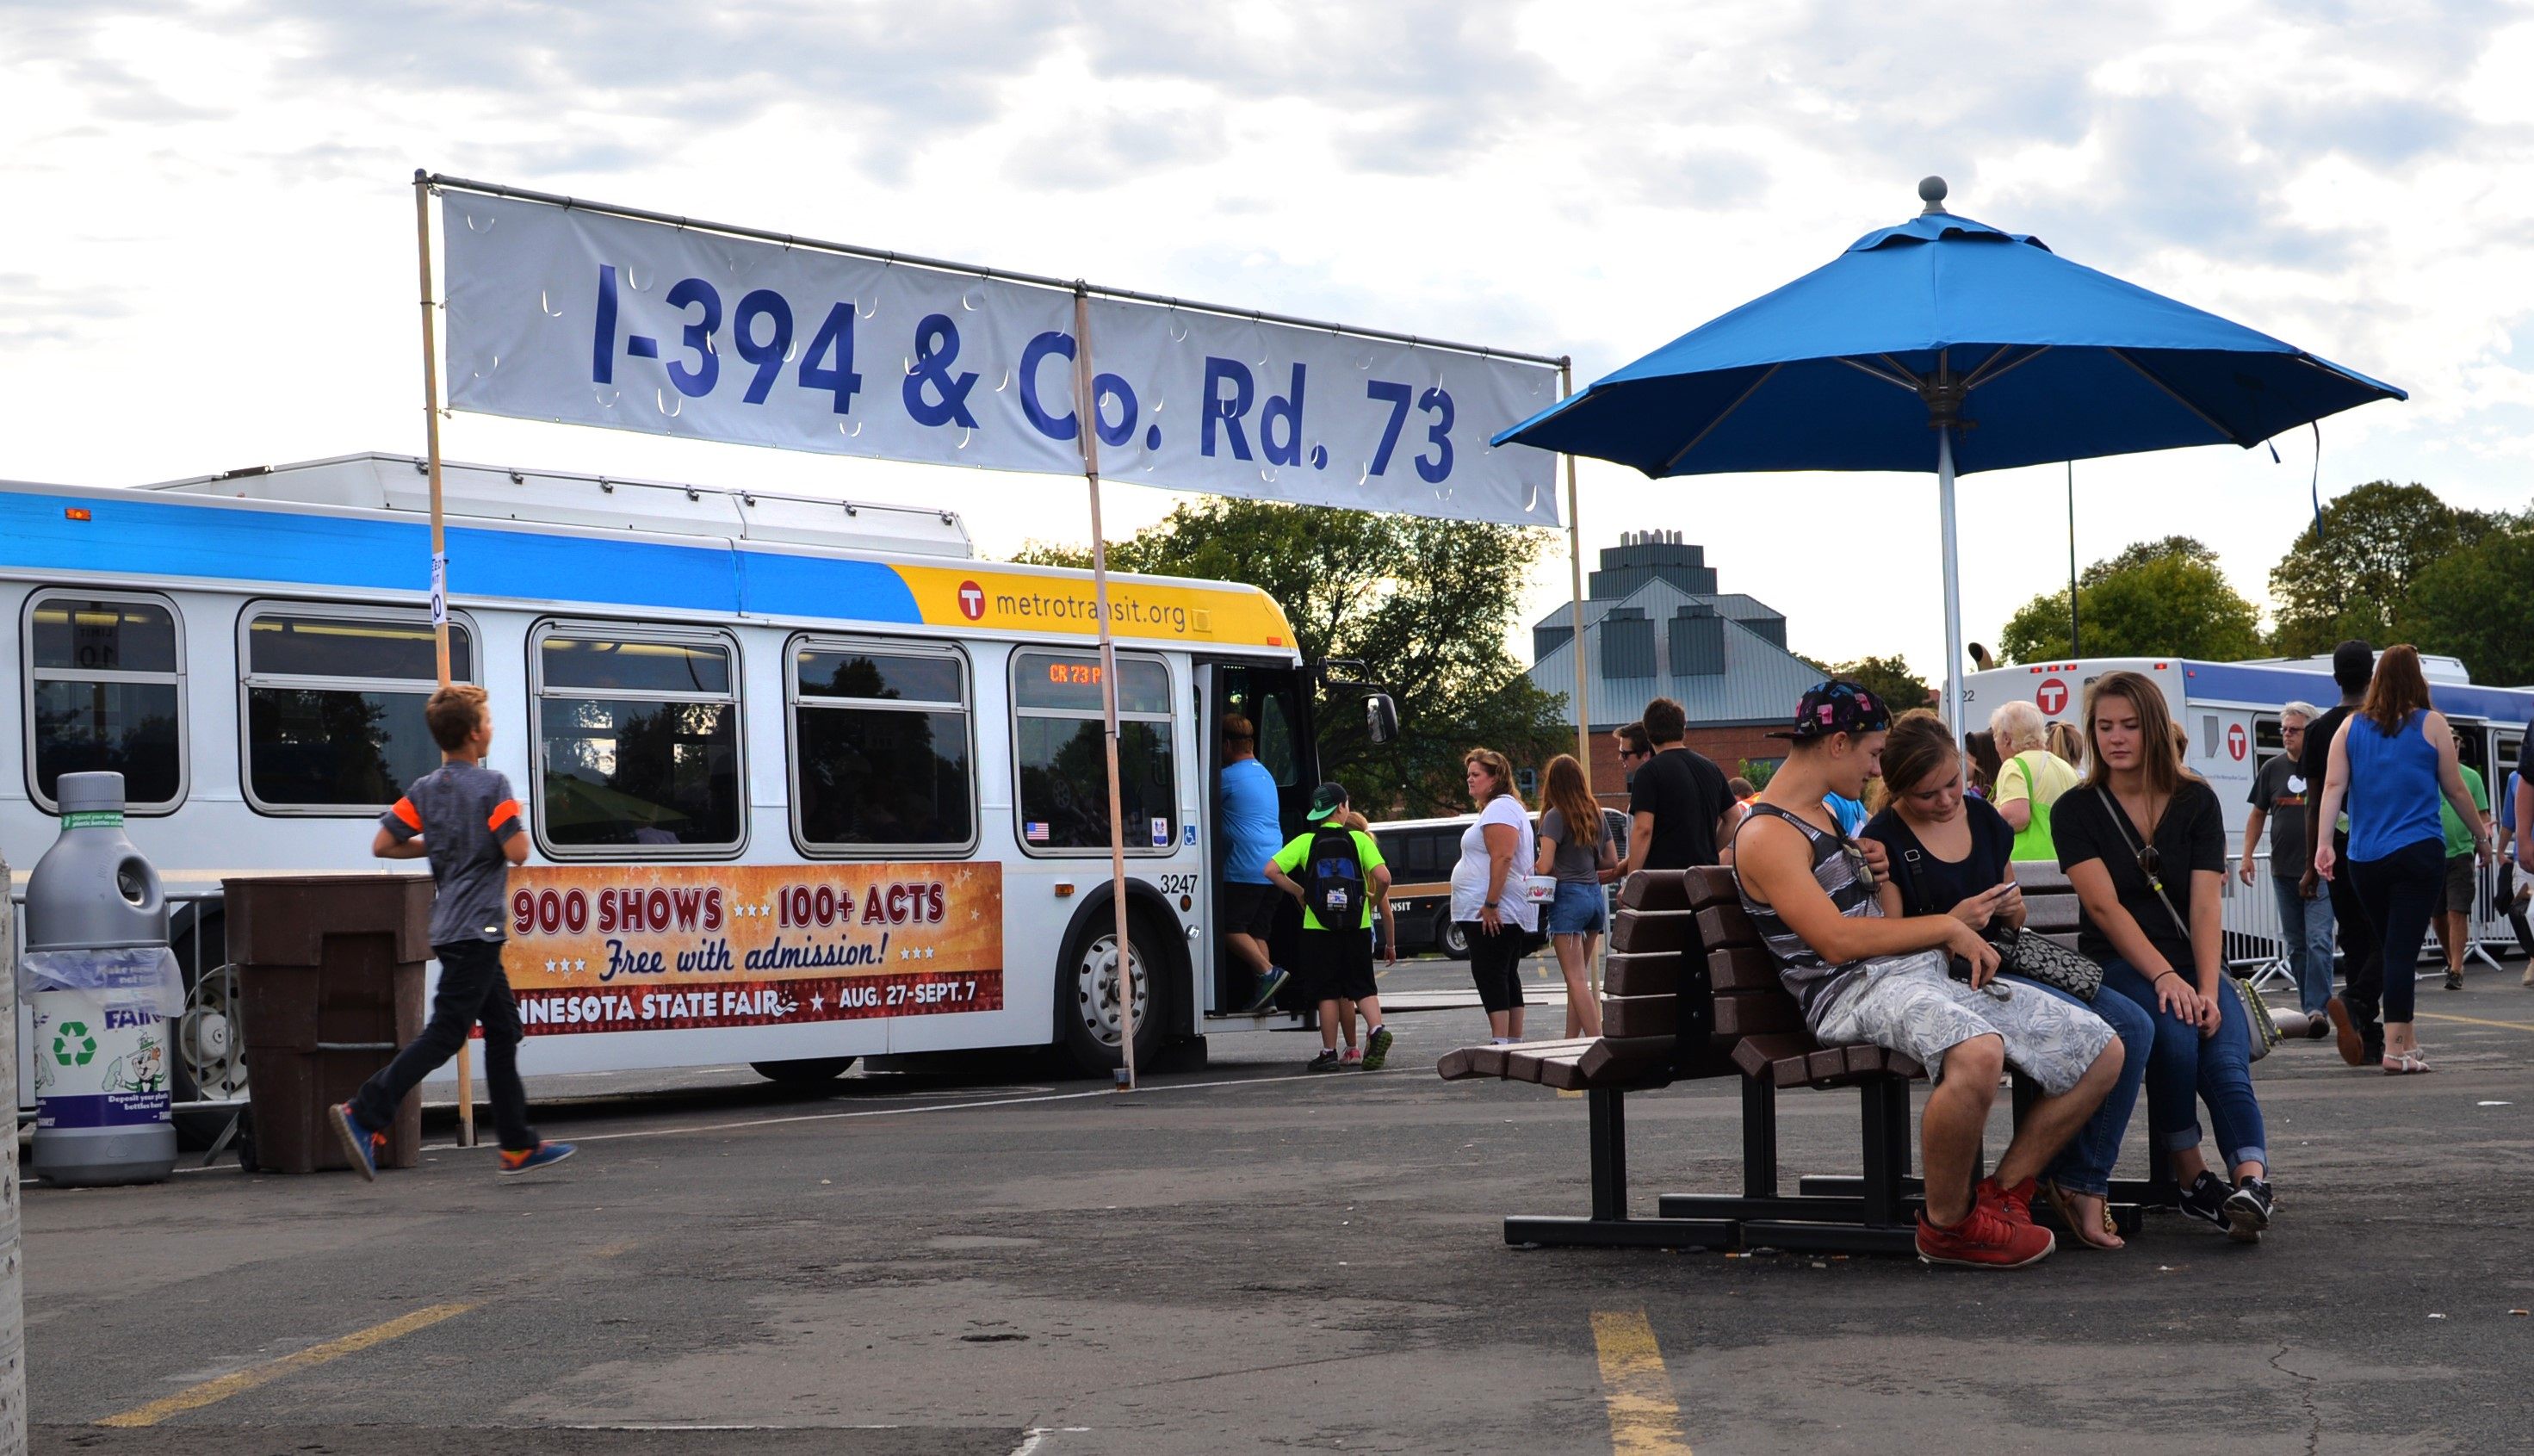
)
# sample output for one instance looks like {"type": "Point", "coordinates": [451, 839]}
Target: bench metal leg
{"type": "Point", "coordinates": [1759, 1139]}
{"type": "Point", "coordinates": [1883, 1195]}
{"type": "Point", "coordinates": [1610, 1226]}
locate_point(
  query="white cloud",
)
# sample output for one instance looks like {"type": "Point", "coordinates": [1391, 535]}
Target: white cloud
{"type": "Point", "coordinates": [210, 263]}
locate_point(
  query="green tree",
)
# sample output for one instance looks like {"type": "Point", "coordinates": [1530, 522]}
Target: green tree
{"type": "Point", "coordinates": [2478, 604]}
{"type": "Point", "coordinates": [1888, 678]}
{"type": "Point", "coordinates": [2378, 540]}
{"type": "Point", "coordinates": [2156, 599]}
{"type": "Point", "coordinates": [1425, 605]}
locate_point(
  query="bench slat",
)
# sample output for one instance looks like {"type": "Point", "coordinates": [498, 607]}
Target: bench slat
{"type": "Point", "coordinates": [1711, 884]}
{"type": "Point", "coordinates": [1644, 973]}
{"type": "Point", "coordinates": [1654, 930]}
{"type": "Point", "coordinates": [1654, 889]}
{"type": "Point", "coordinates": [1756, 1014]}
{"type": "Point", "coordinates": [1742, 968]}
{"type": "Point", "coordinates": [1639, 1015]}
{"type": "Point", "coordinates": [1722, 926]}
{"type": "Point", "coordinates": [1613, 1060]}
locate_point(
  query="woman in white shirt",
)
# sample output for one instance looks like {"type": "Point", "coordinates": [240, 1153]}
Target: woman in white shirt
{"type": "Point", "coordinates": [1489, 887]}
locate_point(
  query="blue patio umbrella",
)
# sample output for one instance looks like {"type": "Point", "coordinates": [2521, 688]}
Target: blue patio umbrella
{"type": "Point", "coordinates": [2001, 350]}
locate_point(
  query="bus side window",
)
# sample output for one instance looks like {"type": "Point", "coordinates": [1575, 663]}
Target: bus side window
{"type": "Point", "coordinates": [105, 692]}
{"type": "Point", "coordinates": [638, 741]}
{"type": "Point", "coordinates": [880, 747]}
{"type": "Point", "coordinates": [334, 705]}
{"type": "Point", "coordinates": [1059, 757]}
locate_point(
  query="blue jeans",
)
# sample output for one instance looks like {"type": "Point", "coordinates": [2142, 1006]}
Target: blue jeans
{"type": "Point", "coordinates": [2305, 934]}
{"type": "Point", "coordinates": [2185, 1068]}
{"type": "Point", "coordinates": [2085, 1165]}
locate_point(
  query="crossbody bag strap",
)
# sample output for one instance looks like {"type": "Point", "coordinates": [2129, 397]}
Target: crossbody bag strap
{"type": "Point", "coordinates": [2152, 881]}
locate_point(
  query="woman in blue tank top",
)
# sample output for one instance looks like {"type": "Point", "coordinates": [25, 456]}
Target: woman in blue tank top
{"type": "Point", "coordinates": [2391, 762]}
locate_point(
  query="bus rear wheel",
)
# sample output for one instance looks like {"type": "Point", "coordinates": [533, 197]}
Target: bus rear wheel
{"type": "Point", "coordinates": [1088, 1007]}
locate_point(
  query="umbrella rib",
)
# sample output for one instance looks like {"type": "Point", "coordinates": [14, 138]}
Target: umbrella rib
{"type": "Point", "coordinates": [1985, 375]}
{"type": "Point", "coordinates": [2175, 396]}
{"type": "Point", "coordinates": [1860, 367]}
{"type": "Point", "coordinates": [1722, 416]}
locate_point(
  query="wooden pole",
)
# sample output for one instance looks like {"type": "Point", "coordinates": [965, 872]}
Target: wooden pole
{"type": "Point", "coordinates": [439, 552]}
{"type": "Point", "coordinates": [1086, 418]}
{"type": "Point", "coordinates": [1575, 606]}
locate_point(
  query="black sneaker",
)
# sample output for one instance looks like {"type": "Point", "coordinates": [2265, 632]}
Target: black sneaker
{"type": "Point", "coordinates": [1327, 1061]}
{"type": "Point", "coordinates": [1268, 985]}
{"type": "Point", "coordinates": [2248, 1210]}
{"type": "Point", "coordinates": [2205, 1199]}
{"type": "Point", "coordinates": [2455, 979]}
{"type": "Point", "coordinates": [1376, 1048]}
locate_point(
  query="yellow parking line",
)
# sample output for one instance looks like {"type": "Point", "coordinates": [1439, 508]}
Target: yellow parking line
{"type": "Point", "coordinates": [211, 1391]}
{"type": "Point", "coordinates": [1645, 1420]}
{"type": "Point", "coordinates": [2474, 1021]}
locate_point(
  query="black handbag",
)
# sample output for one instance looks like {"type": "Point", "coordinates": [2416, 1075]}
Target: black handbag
{"type": "Point", "coordinates": [2020, 952]}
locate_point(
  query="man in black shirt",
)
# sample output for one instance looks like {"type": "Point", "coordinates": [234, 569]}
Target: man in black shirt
{"type": "Point", "coordinates": [1676, 797]}
{"type": "Point", "coordinates": [2354, 1012]}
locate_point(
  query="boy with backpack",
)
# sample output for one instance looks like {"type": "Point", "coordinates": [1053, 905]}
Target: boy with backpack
{"type": "Point", "coordinates": [1341, 875]}
{"type": "Point", "coordinates": [460, 816]}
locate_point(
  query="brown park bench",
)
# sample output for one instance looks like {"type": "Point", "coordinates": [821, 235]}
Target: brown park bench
{"type": "Point", "coordinates": [1690, 994]}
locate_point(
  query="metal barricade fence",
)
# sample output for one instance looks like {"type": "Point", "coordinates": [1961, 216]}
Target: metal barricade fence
{"type": "Point", "coordinates": [2256, 939]}
{"type": "Point", "coordinates": [203, 984]}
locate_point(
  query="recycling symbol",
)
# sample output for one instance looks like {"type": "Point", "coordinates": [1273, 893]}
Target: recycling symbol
{"type": "Point", "coordinates": [73, 1046]}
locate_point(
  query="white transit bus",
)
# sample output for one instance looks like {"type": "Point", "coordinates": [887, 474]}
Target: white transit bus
{"type": "Point", "coordinates": [806, 783]}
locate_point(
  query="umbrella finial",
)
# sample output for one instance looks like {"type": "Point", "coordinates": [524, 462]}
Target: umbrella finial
{"type": "Point", "coordinates": [1931, 190]}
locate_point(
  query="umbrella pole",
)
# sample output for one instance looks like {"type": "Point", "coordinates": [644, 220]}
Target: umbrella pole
{"type": "Point", "coordinates": [1575, 605]}
{"type": "Point", "coordinates": [1953, 579]}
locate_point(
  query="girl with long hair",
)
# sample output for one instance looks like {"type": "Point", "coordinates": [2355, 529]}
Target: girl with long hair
{"type": "Point", "coordinates": [2391, 762]}
{"type": "Point", "coordinates": [1951, 854]}
{"type": "Point", "coordinates": [2145, 846]}
{"type": "Point", "coordinates": [1488, 889]}
{"type": "Point", "coordinates": [1575, 847]}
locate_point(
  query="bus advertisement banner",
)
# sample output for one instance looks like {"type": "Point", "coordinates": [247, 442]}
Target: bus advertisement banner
{"type": "Point", "coordinates": [591, 318]}
{"type": "Point", "coordinates": [659, 947]}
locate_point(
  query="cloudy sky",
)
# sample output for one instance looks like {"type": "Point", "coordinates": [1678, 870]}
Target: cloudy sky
{"type": "Point", "coordinates": [209, 258]}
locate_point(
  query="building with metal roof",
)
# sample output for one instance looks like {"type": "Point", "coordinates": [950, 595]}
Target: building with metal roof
{"type": "Point", "coordinates": [1656, 626]}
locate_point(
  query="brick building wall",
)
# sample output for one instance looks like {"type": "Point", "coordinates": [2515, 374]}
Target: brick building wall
{"type": "Point", "coordinates": [1728, 746]}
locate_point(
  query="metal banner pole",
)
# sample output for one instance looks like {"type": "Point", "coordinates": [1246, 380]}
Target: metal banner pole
{"type": "Point", "coordinates": [1953, 661]}
{"type": "Point", "coordinates": [439, 554]}
{"type": "Point", "coordinates": [2075, 638]}
{"type": "Point", "coordinates": [1086, 418]}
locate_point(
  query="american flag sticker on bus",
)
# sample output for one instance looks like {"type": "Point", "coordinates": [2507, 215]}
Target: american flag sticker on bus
{"type": "Point", "coordinates": [1035, 831]}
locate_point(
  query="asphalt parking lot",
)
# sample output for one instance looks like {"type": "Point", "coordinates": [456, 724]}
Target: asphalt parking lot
{"type": "Point", "coordinates": [1242, 1259]}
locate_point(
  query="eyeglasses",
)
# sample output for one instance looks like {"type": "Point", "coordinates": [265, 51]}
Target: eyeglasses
{"type": "Point", "coordinates": [1627, 754]}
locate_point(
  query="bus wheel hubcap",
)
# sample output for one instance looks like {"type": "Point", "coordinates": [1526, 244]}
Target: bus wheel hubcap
{"type": "Point", "coordinates": [1095, 988]}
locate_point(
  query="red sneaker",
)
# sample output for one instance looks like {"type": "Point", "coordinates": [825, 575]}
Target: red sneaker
{"type": "Point", "coordinates": [1984, 1239]}
{"type": "Point", "coordinates": [2014, 1204]}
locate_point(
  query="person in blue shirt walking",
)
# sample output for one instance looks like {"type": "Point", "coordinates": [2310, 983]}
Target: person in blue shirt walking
{"type": "Point", "coordinates": [2391, 762]}
{"type": "Point", "coordinates": [1252, 833]}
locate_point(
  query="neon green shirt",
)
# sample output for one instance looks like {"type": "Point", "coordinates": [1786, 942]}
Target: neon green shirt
{"type": "Point", "coordinates": [1368, 854]}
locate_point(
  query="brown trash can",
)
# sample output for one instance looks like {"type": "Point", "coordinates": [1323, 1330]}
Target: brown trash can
{"type": "Point", "coordinates": [330, 972]}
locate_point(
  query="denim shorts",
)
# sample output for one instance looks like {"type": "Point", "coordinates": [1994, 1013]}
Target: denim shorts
{"type": "Point", "coordinates": [1578, 910]}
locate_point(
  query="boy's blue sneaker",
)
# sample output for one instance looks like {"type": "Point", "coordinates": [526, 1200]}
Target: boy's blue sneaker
{"type": "Point", "coordinates": [356, 1141]}
{"type": "Point", "coordinates": [536, 1157]}
{"type": "Point", "coordinates": [1268, 985]}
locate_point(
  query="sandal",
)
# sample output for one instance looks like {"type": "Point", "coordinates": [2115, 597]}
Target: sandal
{"type": "Point", "coordinates": [2405, 1063]}
{"type": "Point", "coordinates": [2064, 1203]}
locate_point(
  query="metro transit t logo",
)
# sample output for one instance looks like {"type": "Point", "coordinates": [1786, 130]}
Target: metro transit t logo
{"type": "Point", "coordinates": [972, 601]}
{"type": "Point", "coordinates": [2051, 696]}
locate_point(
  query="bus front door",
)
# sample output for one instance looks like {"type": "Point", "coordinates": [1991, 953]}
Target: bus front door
{"type": "Point", "coordinates": [1277, 702]}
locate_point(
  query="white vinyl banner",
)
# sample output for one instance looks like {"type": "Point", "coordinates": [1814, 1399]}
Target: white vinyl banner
{"type": "Point", "coordinates": [585, 318]}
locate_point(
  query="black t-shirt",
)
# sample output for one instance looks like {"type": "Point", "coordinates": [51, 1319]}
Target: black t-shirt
{"type": "Point", "coordinates": [2282, 791]}
{"type": "Point", "coordinates": [1930, 886]}
{"type": "Point", "coordinates": [1934, 886]}
{"type": "Point", "coordinates": [2192, 836]}
{"type": "Point", "coordinates": [2318, 765]}
{"type": "Point", "coordinates": [1685, 793]}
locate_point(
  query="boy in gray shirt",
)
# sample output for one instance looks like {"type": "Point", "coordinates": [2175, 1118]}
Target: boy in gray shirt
{"type": "Point", "coordinates": [462, 816]}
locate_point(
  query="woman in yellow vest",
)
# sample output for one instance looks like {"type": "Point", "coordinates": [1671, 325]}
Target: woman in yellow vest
{"type": "Point", "coordinates": [2030, 777]}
